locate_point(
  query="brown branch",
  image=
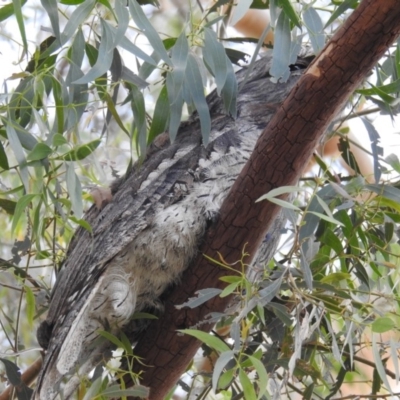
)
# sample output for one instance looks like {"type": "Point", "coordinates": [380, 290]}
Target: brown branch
{"type": "Point", "coordinates": [282, 151]}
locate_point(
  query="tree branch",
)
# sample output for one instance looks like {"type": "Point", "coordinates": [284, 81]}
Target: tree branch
{"type": "Point", "coordinates": [280, 155]}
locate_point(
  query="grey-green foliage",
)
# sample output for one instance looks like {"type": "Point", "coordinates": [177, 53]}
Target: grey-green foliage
{"type": "Point", "coordinates": [344, 256]}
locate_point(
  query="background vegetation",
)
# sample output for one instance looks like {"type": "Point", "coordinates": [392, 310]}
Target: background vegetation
{"type": "Point", "coordinates": [97, 82]}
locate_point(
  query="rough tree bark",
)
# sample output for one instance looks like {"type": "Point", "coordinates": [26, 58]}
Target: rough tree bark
{"type": "Point", "coordinates": [280, 155]}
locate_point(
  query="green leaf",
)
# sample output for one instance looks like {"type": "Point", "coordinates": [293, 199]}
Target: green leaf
{"type": "Point", "coordinates": [315, 29]}
{"type": "Point", "coordinates": [83, 223]}
{"type": "Point", "coordinates": [30, 305]}
{"type": "Point", "coordinates": [104, 58]}
{"type": "Point", "coordinates": [210, 340]}
{"type": "Point", "coordinates": [115, 391]}
{"type": "Point", "coordinates": [145, 26]}
{"type": "Point", "coordinates": [123, 21]}
{"type": "Point", "coordinates": [248, 388]}
{"type": "Point", "coordinates": [8, 206]}
{"type": "Point", "coordinates": [388, 192]}
{"type": "Point", "coordinates": [288, 9]}
{"type": "Point", "coordinates": [174, 83]}
{"type": "Point", "coordinates": [215, 57]}
{"type": "Point", "coordinates": [393, 160]}
{"type": "Point", "coordinates": [3, 158]}
{"type": "Point", "coordinates": [8, 10]}
{"type": "Point", "coordinates": [136, 51]}
{"type": "Point", "coordinates": [281, 51]}
{"type": "Point", "coordinates": [111, 338]}
{"type": "Point", "coordinates": [230, 90]}
{"type": "Point", "coordinates": [220, 364]}
{"type": "Point", "coordinates": [81, 152]}
{"type": "Point", "coordinates": [51, 8]}
{"type": "Point", "coordinates": [19, 154]}
{"type": "Point", "coordinates": [39, 152]}
{"type": "Point", "coordinates": [240, 10]}
{"type": "Point", "coordinates": [378, 362]}
{"type": "Point", "coordinates": [326, 218]}
{"type": "Point", "coordinates": [262, 375]}
{"type": "Point", "coordinates": [229, 289]}
{"type": "Point", "coordinates": [341, 9]}
{"type": "Point", "coordinates": [383, 324]}
{"type": "Point", "coordinates": [160, 117]}
{"type": "Point", "coordinates": [12, 371]}
{"type": "Point", "coordinates": [59, 140]}
{"type": "Point", "coordinates": [74, 191]}
{"type": "Point", "coordinates": [20, 207]}
{"type": "Point", "coordinates": [20, 20]}
{"type": "Point", "coordinates": [194, 83]}
{"type": "Point", "coordinates": [71, 2]}
{"type": "Point", "coordinates": [58, 95]}
{"type": "Point", "coordinates": [139, 114]}
{"type": "Point", "coordinates": [77, 18]}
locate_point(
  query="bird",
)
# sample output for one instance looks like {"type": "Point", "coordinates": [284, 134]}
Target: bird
{"type": "Point", "coordinates": [146, 234]}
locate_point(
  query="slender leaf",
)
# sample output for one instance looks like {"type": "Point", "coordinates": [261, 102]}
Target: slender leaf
{"type": "Point", "coordinates": [51, 8]}
{"type": "Point", "coordinates": [20, 207]}
{"type": "Point", "coordinates": [248, 388]}
{"type": "Point", "coordinates": [315, 29]}
{"type": "Point", "coordinates": [160, 117]}
{"type": "Point", "coordinates": [74, 191]}
{"type": "Point", "coordinates": [20, 20]}
{"type": "Point", "coordinates": [210, 340]}
{"type": "Point", "coordinates": [139, 113]}
{"type": "Point", "coordinates": [281, 52]}
{"type": "Point", "coordinates": [123, 21]}
{"type": "Point", "coordinates": [78, 17]}
{"type": "Point", "coordinates": [104, 58]}
{"type": "Point", "coordinates": [3, 157]}
{"type": "Point", "coordinates": [220, 364]}
{"type": "Point", "coordinates": [194, 83]}
{"type": "Point", "coordinates": [19, 154]}
{"type": "Point", "coordinates": [39, 152]}
{"type": "Point", "coordinates": [152, 36]}
{"type": "Point", "coordinates": [8, 10]}
{"type": "Point", "coordinates": [215, 57]}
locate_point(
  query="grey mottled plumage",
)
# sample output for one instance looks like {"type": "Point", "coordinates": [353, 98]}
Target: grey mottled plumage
{"type": "Point", "coordinates": [147, 235]}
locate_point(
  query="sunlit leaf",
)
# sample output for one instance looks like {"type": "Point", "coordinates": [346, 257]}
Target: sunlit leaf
{"type": "Point", "coordinates": [210, 340]}
{"type": "Point", "coordinates": [382, 324]}
{"type": "Point", "coordinates": [289, 10]}
{"type": "Point", "coordinates": [82, 151]}
{"type": "Point", "coordinates": [220, 364]}
{"type": "Point", "coordinates": [215, 58]}
{"type": "Point", "coordinates": [315, 29]}
{"type": "Point", "coordinates": [8, 10]}
{"type": "Point", "coordinates": [197, 94]}
{"type": "Point", "coordinates": [51, 7]}
{"type": "Point", "coordinates": [74, 191]}
{"type": "Point", "coordinates": [19, 154]}
{"type": "Point", "coordinates": [20, 207]}
{"type": "Point", "coordinates": [3, 157]}
{"type": "Point", "coordinates": [104, 57]}
{"type": "Point", "coordinates": [248, 388]}
{"type": "Point", "coordinates": [143, 23]}
{"type": "Point", "coordinates": [160, 117]}
{"type": "Point", "coordinates": [39, 152]}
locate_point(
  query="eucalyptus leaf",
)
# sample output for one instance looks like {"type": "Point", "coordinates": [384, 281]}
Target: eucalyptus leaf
{"type": "Point", "coordinates": [315, 29]}
{"type": "Point", "coordinates": [104, 58]}
{"type": "Point", "coordinates": [74, 191]}
{"type": "Point", "coordinates": [143, 23]}
{"type": "Point", "coordinates": [197, 92]}
{"type": "Point", "coordinates": [220, 364]}
{"type": "Point", "coordinates": [51, 7]}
